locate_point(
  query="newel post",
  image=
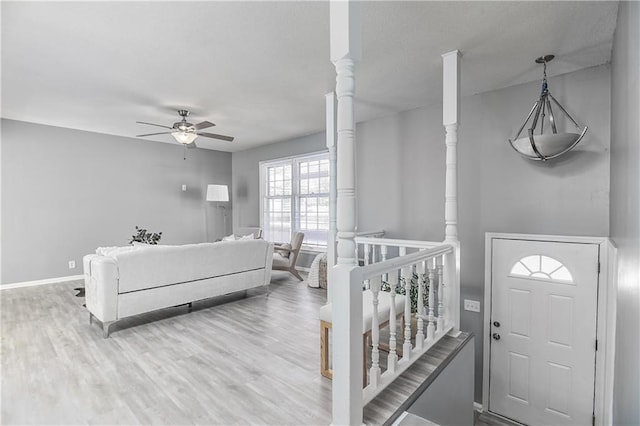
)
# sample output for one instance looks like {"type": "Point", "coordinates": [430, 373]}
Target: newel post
{"type": "Point", "coordinates": [346, 298]}
{"type": "Point", "coordinates": [450, 114]}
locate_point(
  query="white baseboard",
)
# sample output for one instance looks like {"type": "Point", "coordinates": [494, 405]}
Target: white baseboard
{"type": "Point", "coordinates": [41, 282]}
{"type": "Point", "coordinates": [477, 406]}
{"type": "Point", "coordinates": [303, 269]}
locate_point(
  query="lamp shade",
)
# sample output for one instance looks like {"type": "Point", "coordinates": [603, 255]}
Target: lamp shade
{"type": "Point", "coordinates": [184, 137]}
{"type": "Point", "coordinates": [217, 193]}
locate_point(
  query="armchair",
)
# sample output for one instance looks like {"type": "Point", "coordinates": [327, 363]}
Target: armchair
{"type": "Point", "coordinates": [285, 258]}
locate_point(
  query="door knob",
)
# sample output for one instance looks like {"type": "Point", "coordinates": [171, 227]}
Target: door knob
{"type": "Point", "coordinates": [495, 336]}
{"type": "Point", "coordinates": [496, 324]}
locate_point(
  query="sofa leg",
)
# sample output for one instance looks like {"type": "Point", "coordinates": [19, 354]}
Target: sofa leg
{"type": "Point", "coordinates": [105, 328]}
{"type": "Point", "coordinates": [268, 290]}
{"type": "Point", "coordinates": [190, 304]}
{"type": "Point", "coordinates": [90, 318]}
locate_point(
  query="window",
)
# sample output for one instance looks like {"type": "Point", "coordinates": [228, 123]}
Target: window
{"type": "Point", "coordinates": [295, 198]}
{"type": "Point", "coordinates": [542, 267]}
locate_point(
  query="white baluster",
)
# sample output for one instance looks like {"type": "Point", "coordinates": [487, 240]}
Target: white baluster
{"type": "Point", "coordinates": [374, 372]}
{"type": "Point", "coordinates": [367, 284]}
{"type": "Point", "coordinates": [383, 257]}
{"type": "Point", "coordinates": [431, 327]}
{"type": "Point", "coordinates": [419, 271]}
{"type": "Point", "coordinates": [406, 347]}
{"type": "Point", "coordinates": [392, 360]}
{"type": "Point", "coordinates": [440, 293]}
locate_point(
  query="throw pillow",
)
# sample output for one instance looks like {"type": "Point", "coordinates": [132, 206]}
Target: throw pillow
{"type": "Point", "coordinates": [285, 253]}
{"type": "Point", "coordinates": [248, 237]}
{"type": "Point", "coordinates": [229, 238]}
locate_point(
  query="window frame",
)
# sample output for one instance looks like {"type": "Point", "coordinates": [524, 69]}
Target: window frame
{"type": "Point", "coordinates": [296, 196]}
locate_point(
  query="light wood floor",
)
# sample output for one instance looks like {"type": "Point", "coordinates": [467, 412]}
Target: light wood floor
{"type": "Point", "coordinates": [254, 360]}
{"type": "Point", "coordinates": [232, 360]}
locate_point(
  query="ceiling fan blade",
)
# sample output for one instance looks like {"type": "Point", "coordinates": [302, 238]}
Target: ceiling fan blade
{"type": "Point", "coordinates": [191, 145]}
{"type": "Point", "coordinates": [151, 124]}
{"type": "Point", "coordinates": [153, 134]}
{"type": "Point", "coordinates": [214, 136]}
{"type": "Point", "coordinates": [203, 125]}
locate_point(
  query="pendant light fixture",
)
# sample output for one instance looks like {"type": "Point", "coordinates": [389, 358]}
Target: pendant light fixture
{"type": "Point", "coordinates": [544, 141]}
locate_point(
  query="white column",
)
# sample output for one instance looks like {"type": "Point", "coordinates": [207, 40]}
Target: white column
{"type": "Point", "coordinates": [450, 112]}
{"type": "Point", "coordinates": [450, 121]}
{"type": "Point", "coordinates": [346, 294]}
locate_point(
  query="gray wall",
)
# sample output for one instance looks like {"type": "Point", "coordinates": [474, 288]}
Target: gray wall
{"type": "Point", "coordinates": [625, 209]}
{"type": "Point", "coordinates": [401, 163]}
{"type": "Point", "coordinates": [449, 400]}
{"type": "Point", "coordinates": [502, 192]}
{"type": "Point", "coordinates": [400, 175]}
{"type": "Point", "coordinates": [66, 192]}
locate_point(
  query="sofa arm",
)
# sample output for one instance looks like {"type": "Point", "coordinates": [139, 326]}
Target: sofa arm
{"type": "Point", "coordinates": [268, 264]}
{"type": "Point", "coordinates": [101, 286]}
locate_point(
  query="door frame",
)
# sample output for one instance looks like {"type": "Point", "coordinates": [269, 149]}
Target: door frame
{"type": "Point", "coordinates": [606, 317]}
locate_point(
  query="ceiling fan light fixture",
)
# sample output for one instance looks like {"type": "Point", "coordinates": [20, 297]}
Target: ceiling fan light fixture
{"type": "Point", "coordinates": [184, 138]}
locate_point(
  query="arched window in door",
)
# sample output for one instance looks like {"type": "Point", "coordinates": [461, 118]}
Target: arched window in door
{"type": "Point", "coordinates": [543, 268]}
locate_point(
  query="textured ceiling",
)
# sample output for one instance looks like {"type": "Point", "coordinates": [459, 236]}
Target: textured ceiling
{"type": "Point", "coordinates": [259, 70]}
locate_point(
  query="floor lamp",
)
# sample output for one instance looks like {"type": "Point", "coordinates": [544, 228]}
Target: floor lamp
{"type": "Point", "coordinates": [219, 194]}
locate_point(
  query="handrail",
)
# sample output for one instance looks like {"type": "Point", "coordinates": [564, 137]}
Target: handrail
{"type": "Point", "coordinates": [391, 242]}
{"type": "Point", "coordinates": [370, 234]}
{"type": "Point", "coordinates": [373, 269]}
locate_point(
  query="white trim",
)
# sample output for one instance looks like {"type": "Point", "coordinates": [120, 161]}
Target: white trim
{"type": "Point", "coordinates": [605, 331]}
{"type": "Point", "coordinates": [313, 249]}
{"type": "Point", "coordinates": [295, 195]}
{"type": "Point", "coordinates": [303, 269]}
{"type": "Point", "coordinates": [477, 406]}
{"type": "Point", "coordinates": [400, 418]}
{"type": "Point", "coordinates": [290, 157]}
{"type": "Point", "coordinates": [41, 282]}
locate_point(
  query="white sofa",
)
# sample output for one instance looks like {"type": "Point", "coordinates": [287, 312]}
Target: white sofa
{"type": "Point", "coordinates": [132, 280]}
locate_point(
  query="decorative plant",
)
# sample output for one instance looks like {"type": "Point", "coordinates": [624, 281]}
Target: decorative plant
{"type": "Point", "coordinates": [413, 290]}
{"type": "Point", "coordinates": [142, 236]}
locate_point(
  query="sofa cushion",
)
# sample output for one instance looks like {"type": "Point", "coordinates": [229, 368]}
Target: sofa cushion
{"type": "Point", "coordinates": [157, 266]}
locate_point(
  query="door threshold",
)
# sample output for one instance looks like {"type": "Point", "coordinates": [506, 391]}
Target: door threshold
{"type": "Point", "coordinates": [488, 418]}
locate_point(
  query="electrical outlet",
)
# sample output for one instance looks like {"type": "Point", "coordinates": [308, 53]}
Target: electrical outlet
{"type": "Point", "coordinates": [471, 305]}
{"type": "Point", "coordinates": [184, 187]}
{"type": "Point", "coordinates": [72, 264]}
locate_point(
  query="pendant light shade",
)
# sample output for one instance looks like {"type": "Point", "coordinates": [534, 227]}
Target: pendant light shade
{"type": "Point", "coordinates": [544, 139]}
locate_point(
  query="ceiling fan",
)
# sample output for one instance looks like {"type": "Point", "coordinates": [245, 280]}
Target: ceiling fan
{"type": "Point", "coordinates": [185, 132]}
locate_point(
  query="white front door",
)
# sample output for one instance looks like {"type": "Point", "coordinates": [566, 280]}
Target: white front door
{"type": "Point", "coordinates": [544, 299]}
